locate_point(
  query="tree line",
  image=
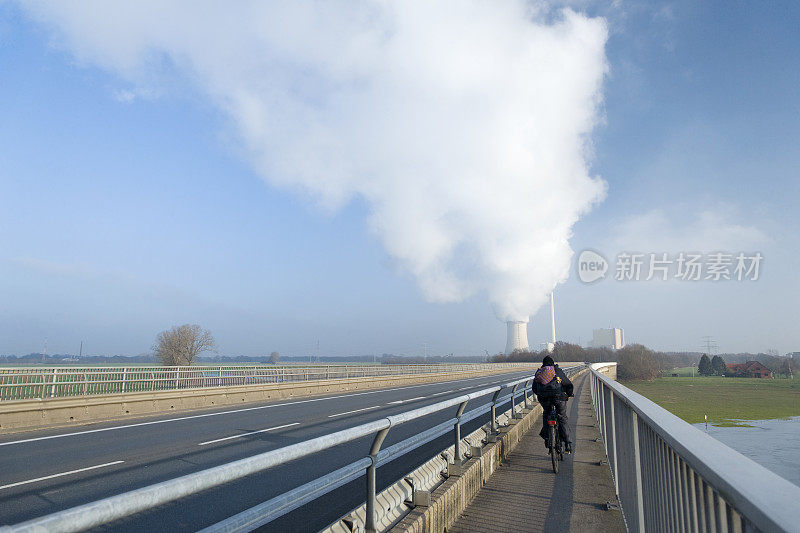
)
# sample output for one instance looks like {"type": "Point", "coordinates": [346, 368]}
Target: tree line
{"type": "Point", "coordinates": [637, 362]}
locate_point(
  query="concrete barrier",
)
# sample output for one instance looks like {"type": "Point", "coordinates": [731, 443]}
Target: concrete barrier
{"type": "Point", "coordinates": [607, 369]}
{"type": "Point", "coordinates": [19, 415]}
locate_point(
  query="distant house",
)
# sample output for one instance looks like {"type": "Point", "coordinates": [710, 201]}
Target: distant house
{"type": "Point", "coordinates": [750, 369]}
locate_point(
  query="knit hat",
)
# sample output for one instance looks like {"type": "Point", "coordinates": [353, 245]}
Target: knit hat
{"type": "Point", "coordinates": [548, 361]}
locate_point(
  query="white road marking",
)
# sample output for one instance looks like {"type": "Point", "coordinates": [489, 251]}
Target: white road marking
{"type": "Point", "coordinates": [443, 392]}
{"type": "Point", "coordinates": [178, 419]}
{"type": "Point", "coordinates": [409, 400]}
{"type": "Point", "coordinates": [59, 475]}
{"type": "Point", "coordinates": [354, 411]}
{"type": "Point", "coordinates": [249, 433]}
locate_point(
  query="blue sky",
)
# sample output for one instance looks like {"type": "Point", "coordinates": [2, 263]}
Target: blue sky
{"type": "Point", "coordinates": [126, 208]}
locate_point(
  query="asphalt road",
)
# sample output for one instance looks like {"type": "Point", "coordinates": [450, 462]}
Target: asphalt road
{"type": "Point", "coordinates": [45, 471]}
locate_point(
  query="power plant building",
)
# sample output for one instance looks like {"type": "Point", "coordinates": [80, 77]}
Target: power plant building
{"type": "Point", "coordinates": [517, 339]}
{"type": "Point", "coordinates": [613, 338]}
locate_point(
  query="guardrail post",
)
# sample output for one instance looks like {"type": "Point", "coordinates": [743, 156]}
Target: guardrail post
{"type": "Point", "coordinates": [457, 436]}
{"type": "Point", "coordinates": [513, 407]}
{"type": "Point", "coordinates": [493, 435]}
{"type": "Point", "coordinates": [526, 393]}
{"type": "Point", "coordinates": [124, 378]}
{"type": "Point", "coordinates": [370, 527]}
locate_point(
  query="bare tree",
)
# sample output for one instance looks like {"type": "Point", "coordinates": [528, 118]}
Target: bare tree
{"type": "Point", "coordinates": [273, 357]}
{"type": "Point", "coordinates": [637, 362]}
{"type": "Point", "coordinates": [181, 344]}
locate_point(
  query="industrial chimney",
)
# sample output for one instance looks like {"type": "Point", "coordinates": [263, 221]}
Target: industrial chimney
{"type": "Point", "coordinates": [552, 344]}
{"type": "Point", "coordinates": [517, 336]}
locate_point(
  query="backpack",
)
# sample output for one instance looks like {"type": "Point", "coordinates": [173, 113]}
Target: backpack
{"type": "Point", "coordinates": [546, 383]}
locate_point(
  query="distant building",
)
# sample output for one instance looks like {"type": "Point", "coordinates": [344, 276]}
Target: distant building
{"type": "Point", "coordinates": [613, 338]}
{"type": "Point", "coordinates": [750, 369]}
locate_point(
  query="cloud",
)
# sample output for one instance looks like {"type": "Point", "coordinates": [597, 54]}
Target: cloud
{"type": "Point", "coordinates": [708, 230]}
{"type": "Point", "coordinates": [124, 96]}
{"type": "Point", "coordinates": [464, 126]}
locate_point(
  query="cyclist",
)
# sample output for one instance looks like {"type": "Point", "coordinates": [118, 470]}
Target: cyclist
{"type": "Point", "coordinates": [552, 388]}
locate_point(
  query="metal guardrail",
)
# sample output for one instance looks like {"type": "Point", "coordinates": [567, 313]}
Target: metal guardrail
{"type": "Point", "coordinates": [24, 383]}
{"type": "Point", "coordinates": [671, 476]}
{"type": "Point", "coordinates": [109, 509]}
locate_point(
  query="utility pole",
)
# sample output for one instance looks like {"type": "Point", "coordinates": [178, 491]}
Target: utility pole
{"type": "Point", "coordinates": [317, 350]}
{"type": "Point", "coordinates": [44, 354]}
{"type": "Point", "coordinates": [80, 353]}
{"type": "Point", "coordinates": [425, 350]}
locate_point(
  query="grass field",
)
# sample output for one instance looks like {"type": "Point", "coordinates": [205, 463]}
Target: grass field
{"type": "Point", "coordinates": [726, 401]}
{"type": "Point", "coordinates": [686, 371]}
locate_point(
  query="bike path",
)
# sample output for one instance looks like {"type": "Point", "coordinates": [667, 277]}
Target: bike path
{"type": "Point", "coordinates": [524, 495]}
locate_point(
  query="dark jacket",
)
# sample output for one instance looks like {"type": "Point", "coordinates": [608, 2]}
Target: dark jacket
{"type": "Point", "coordinates": [559, 388]}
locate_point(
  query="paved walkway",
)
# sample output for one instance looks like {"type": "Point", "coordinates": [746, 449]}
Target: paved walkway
{"type": "Point", "coordinates": [524, 495]}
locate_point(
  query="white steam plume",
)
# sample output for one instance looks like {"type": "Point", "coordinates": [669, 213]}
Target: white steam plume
{"type": "Point", "coordinates": [464, 125]}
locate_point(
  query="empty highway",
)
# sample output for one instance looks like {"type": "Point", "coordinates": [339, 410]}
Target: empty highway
{"type": "Point", "coordinates": [48, 470]}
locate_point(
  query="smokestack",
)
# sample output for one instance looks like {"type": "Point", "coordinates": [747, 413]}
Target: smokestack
{"type": "Point", "coordinates": [517, 336]}
{"type": "Point", "coordinates": [552, 344]}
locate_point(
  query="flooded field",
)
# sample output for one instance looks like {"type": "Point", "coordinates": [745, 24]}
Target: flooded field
{"type": "Point", "coordinates": [774, 444]}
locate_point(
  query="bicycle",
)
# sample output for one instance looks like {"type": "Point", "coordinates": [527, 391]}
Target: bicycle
{"type": "Point", "coordinates": [554, 439]}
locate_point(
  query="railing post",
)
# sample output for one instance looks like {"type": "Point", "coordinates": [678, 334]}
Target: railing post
{"type": "Point", "coordinates": [614, 440]}
{"type": "Point", "coordinates": [53, 386]}
{"type": "Point", "coordinates": [124, 378]}
{"type": "Point", "coordinates": [637, 464]}
{"type": "Point", "coordinates": [370, 526]}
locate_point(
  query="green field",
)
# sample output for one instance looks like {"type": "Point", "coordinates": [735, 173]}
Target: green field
{"type": "Point", "coordinates": [726, 401]}
{"type": "Point", "coordinates": [686, 371]}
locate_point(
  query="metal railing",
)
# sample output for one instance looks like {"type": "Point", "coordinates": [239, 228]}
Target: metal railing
{"type": "Point", "coordinates": [671, 476]}
{"type": "Point", "coordinates": [24, 383]}
{"type": "Point", "coordinates": [109, 509]}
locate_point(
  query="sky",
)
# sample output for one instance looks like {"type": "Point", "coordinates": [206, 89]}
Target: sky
{"type": "Point", "coordinates": [395, 179]}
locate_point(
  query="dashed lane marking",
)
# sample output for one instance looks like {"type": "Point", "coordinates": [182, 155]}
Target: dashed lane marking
{"type": "Point", "coordinates": [354, 411]}
{"type": "Point", "coordinates": [18, 483]}
{"type": "Point", "coordinates": [248, 433]}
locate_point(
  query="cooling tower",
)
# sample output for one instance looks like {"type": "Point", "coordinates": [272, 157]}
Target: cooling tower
{"type": "Point", "coordinates": [517, 336]}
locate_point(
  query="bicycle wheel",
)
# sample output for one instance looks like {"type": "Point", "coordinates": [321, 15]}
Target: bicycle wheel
{"type": "Point", "coordinates": [554, 448]}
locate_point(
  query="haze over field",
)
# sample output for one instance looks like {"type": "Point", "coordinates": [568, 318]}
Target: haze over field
{"type": "Point", "coordinates": [452, 156]}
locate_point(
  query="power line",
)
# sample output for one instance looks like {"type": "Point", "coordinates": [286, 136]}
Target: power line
{"type": "Point", "coordinates": [709, 344]}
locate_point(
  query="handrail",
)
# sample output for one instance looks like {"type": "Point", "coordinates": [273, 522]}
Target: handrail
{"type": "Point", "coordinates": [671, 475]}
{"type": "Point", "coordinates": [25, 383]}
{"type": "Point", "coordinates": [112, 508]}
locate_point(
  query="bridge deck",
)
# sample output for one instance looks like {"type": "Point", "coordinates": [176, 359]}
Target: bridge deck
{"type": "Point", "coordinates": [525, 495]}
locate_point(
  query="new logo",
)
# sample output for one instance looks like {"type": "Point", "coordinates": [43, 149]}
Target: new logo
{"type": "Point", "coordinates": [591, 266]}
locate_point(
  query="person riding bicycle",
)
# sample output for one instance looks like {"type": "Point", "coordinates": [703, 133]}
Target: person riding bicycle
{"type": "Point", "coordinates": [552, 388]}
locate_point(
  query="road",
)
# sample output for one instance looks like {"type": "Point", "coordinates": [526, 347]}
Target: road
{"type": "Point", "coordinates": [45, 471]}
